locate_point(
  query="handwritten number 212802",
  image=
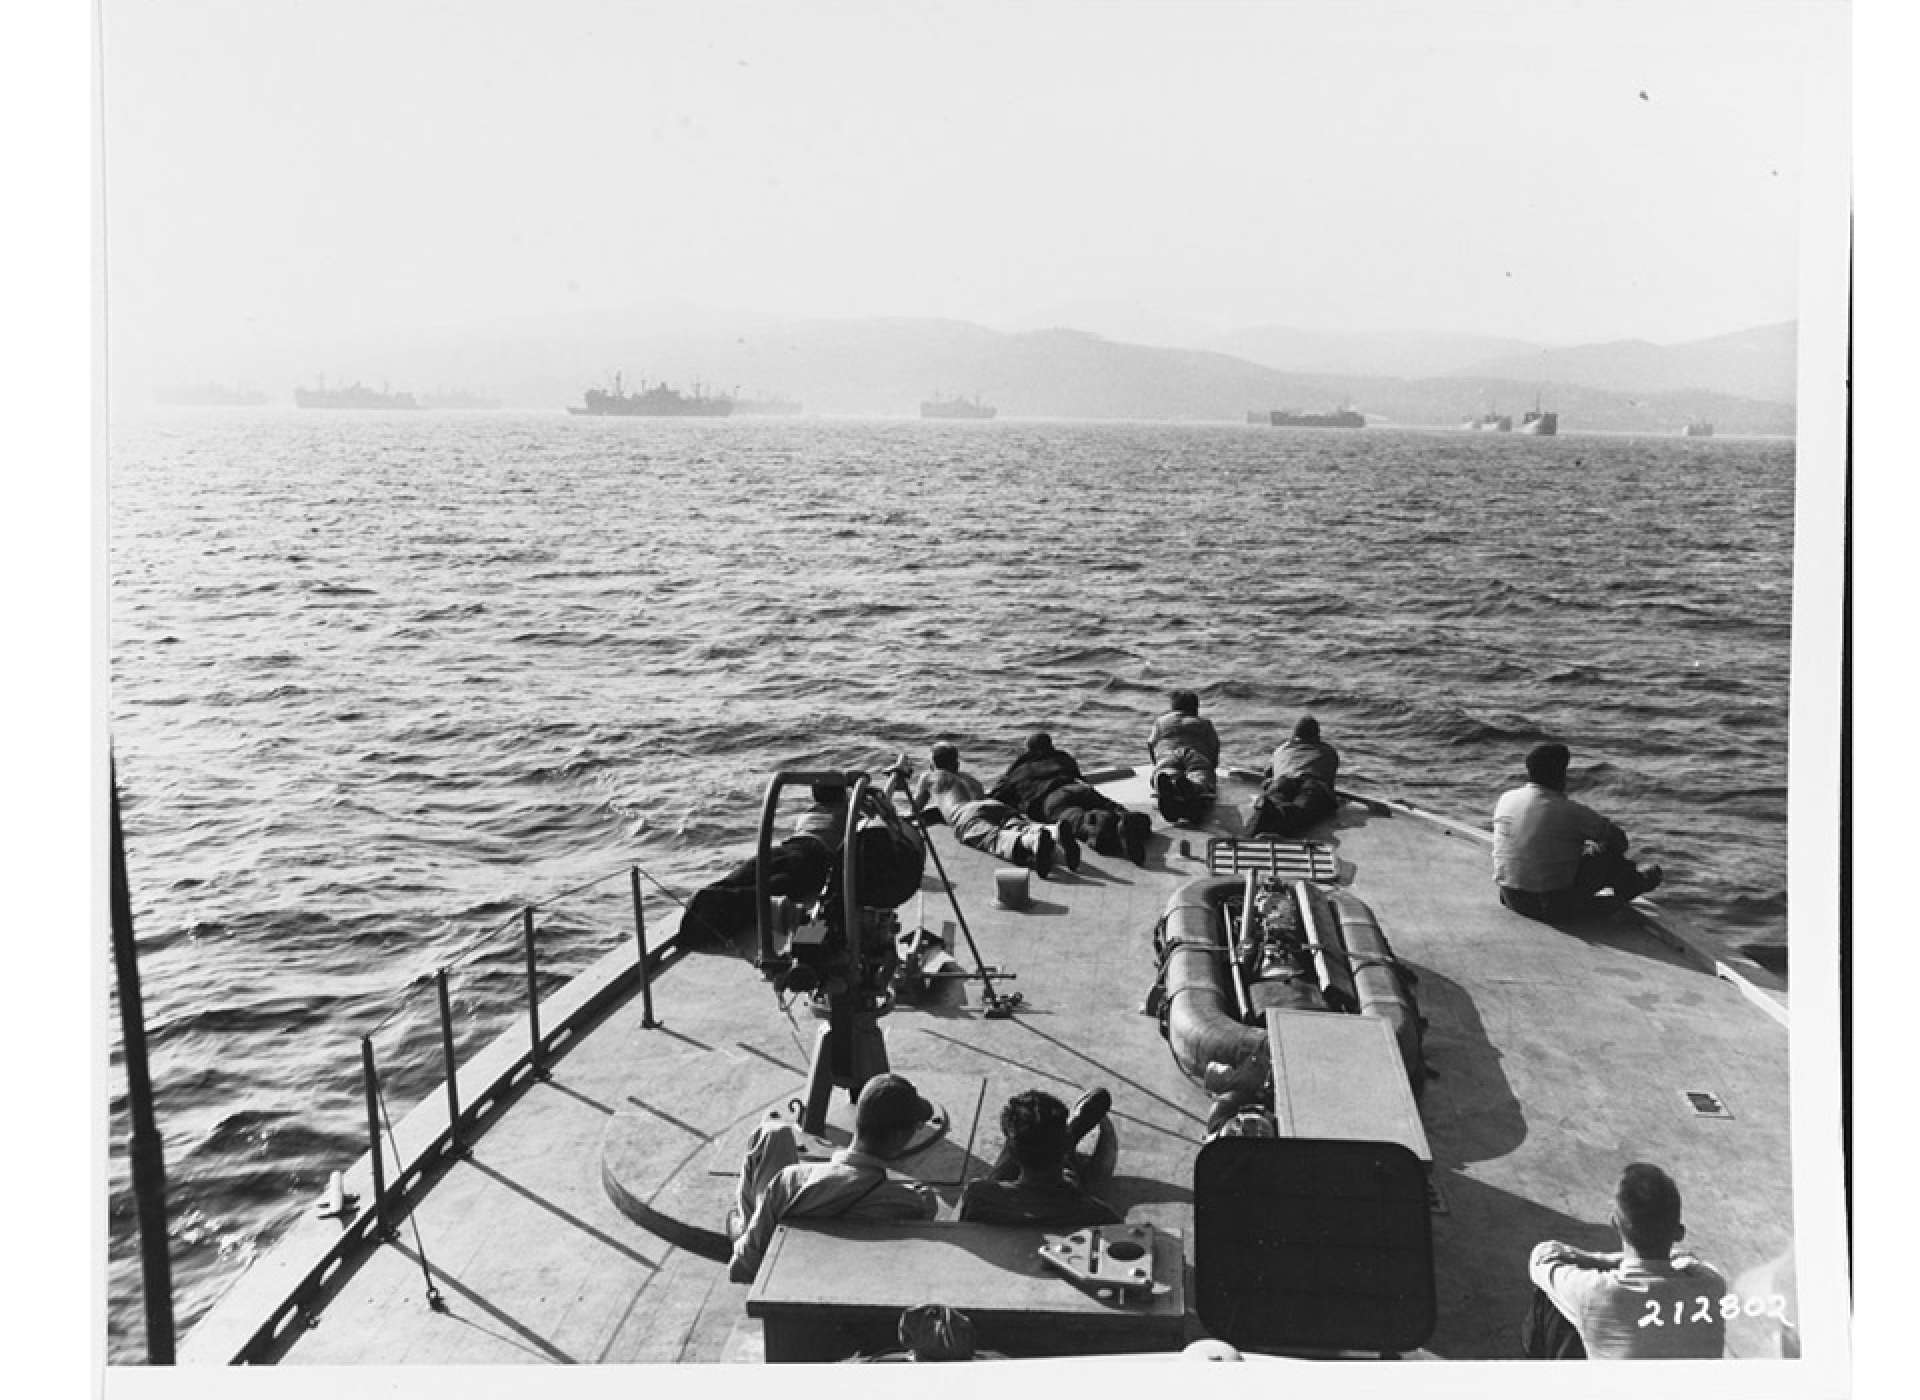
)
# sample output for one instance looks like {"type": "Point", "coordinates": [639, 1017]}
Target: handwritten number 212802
{"type": "Point", "coordinates": [1731, 1306]}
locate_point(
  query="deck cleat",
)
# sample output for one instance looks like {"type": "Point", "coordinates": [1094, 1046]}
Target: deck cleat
{"type": "Point", "coordinates": [336, 1202]}
{"type": "Point", "coordinates": [1114, 1261]}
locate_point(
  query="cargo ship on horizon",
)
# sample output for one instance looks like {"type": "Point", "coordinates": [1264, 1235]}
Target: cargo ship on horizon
{"type": "Point", "coordinates": [1539, 424]}
{"type": "Point", "coordinates": [658, 401]}
{"type": "Point", "coordinates": [355, 395]}
{"type": "Point", "coordinates": [937, 407]}
{"type": "Point", "coordinates": [1340, 418]}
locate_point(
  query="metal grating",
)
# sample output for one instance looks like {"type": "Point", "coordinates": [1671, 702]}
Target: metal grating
{"type": "Point", "coordinates": [1291, 860]}
{"type": "Point", "coordinates": [1704, 1104]}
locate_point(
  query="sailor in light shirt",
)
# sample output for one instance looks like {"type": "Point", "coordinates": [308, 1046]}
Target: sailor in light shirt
{"type": "Point", "coordinates": [1644, 1301]}
{"type": "Point", "coordinates": [854, 1183]}
{"type": "Point", "coordinates": [1551, 855]}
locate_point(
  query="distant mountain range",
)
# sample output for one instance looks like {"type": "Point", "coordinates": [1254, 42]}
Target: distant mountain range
{"type": "Point", "coordinates": [1755, 364]}
{"type": "Point", "coordinates": [1374, 355]}
{"type": "Point", "coordinates": [1743, 382]}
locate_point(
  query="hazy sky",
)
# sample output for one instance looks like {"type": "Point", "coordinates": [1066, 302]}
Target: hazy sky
{"type": "Point", "coordinates": [302, 170]}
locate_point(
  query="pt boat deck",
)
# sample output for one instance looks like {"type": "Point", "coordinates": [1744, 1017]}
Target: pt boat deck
{"type": "Point", "coordinates": [578, 1225]}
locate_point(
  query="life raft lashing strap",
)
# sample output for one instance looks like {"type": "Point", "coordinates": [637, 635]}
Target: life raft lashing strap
{"type": "Point", "coordinates": [1199, 945]}
{"type": "Point", "coordinates": [1332, 963]}
{"type": "Point", "coordinates": [1164, 947]}
{"type": "Point", "coordinates": [1289, 860]}
{"type": "Point", "coordinates": [1157, 1000]}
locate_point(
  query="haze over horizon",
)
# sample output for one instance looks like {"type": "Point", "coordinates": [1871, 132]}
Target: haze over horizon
{"type": "Point", "coordinates": [280, 175]}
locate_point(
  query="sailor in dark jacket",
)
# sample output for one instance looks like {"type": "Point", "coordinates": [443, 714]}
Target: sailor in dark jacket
{"type": "Point", "coordinates": [1038, 771]}
{"type": "Point", "coordinates": [1045, 784]}
{"type": "Point", "coordinates": [797, 867]}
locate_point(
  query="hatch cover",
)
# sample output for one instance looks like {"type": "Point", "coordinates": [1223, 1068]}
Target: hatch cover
{"type": "Point", "coordinates": [1291, 860]}
{"type": "Point", "coordinates": [1704, 1104]}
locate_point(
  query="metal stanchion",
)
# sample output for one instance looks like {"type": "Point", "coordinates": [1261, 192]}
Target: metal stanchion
{"type": "Point", "coordinates": [367, 1073]}
{"type": "Point", "coordinates": [446, 1057]}
{"type": "Point", "coordinates": [537, 1057]}
{"type": "Point", "coordinates": [640, 935]}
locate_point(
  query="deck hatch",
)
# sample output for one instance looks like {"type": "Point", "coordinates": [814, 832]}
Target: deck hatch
{"type": "Point", "coordinates": [1291, 860]}
{"type": "Point", "coordinates": [1304, 1244]}
{"type": "Point", "coordinates": [1704, 1104]}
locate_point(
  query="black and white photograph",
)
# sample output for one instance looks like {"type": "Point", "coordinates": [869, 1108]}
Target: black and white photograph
{"type": "Point", "coordinates": [1068, 685]}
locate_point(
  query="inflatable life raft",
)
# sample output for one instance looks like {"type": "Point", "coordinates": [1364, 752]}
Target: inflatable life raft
{"type": "Point", "coordinates": [1296, 947]}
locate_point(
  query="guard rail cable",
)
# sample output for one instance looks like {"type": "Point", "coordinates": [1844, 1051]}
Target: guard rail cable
{"type": "Point", "coordinates": [433, 1147]}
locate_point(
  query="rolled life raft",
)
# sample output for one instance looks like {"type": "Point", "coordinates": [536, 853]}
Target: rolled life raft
{"type": "Point", "coordinates": [1329, 954]}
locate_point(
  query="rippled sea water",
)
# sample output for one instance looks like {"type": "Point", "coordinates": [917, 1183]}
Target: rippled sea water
{"type": "Point", "coordinates": [379, 680]}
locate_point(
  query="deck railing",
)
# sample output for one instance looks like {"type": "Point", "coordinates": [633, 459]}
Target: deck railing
{"type": "Point", "coordinates": [400, 1155]}
{"type": "Point", "coordinates": [531, 1065]}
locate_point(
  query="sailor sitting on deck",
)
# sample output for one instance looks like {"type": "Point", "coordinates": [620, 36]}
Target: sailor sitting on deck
{"type": "Point", "coordinates": [1298, 790]}
{"type": "Point", "coordinates": [852, 1184]}
{"type": "Point", "coordinates": [1552, 856]}
{"type": "Point", "coordinates": [986, 825]}
{"type": "Point", "coordinates": [1643, 1302]}
{"type": "Point", "coordinates": [1185, 751]}
{"type": "Point", "coordinates": [1045, 784]}
{"type": "Point", "coordinates": [1040, 1178]}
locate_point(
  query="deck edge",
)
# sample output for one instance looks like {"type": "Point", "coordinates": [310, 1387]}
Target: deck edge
{"type": "Point", "coordinates": [1774, 1004]}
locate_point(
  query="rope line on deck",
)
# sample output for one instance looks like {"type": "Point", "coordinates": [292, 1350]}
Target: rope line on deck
{"type": "Point", "coordinates": [434, 1300]}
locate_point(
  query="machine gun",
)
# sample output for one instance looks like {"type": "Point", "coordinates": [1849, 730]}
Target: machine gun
{"type": "Point", "coordinates": [840, 949]}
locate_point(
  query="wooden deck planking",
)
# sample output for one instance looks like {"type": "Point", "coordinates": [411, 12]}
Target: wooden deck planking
{"type": "Point", "coordinates": [1605, 1028]}
{"type": "Point", "coordinates": [1570, 1051]}
{"type": "Point", "coordinates": [533, 1262]}
{"type": "Point", "coordinates": [1082, 983]}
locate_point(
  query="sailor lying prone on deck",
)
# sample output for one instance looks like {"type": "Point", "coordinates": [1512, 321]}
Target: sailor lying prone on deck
{"type": "Point", "coordinates": [799, 867]}
{"type": "Point", "coordinates": [1045, 783]}
{"type": "Point", "coordinates": [990, 826]}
